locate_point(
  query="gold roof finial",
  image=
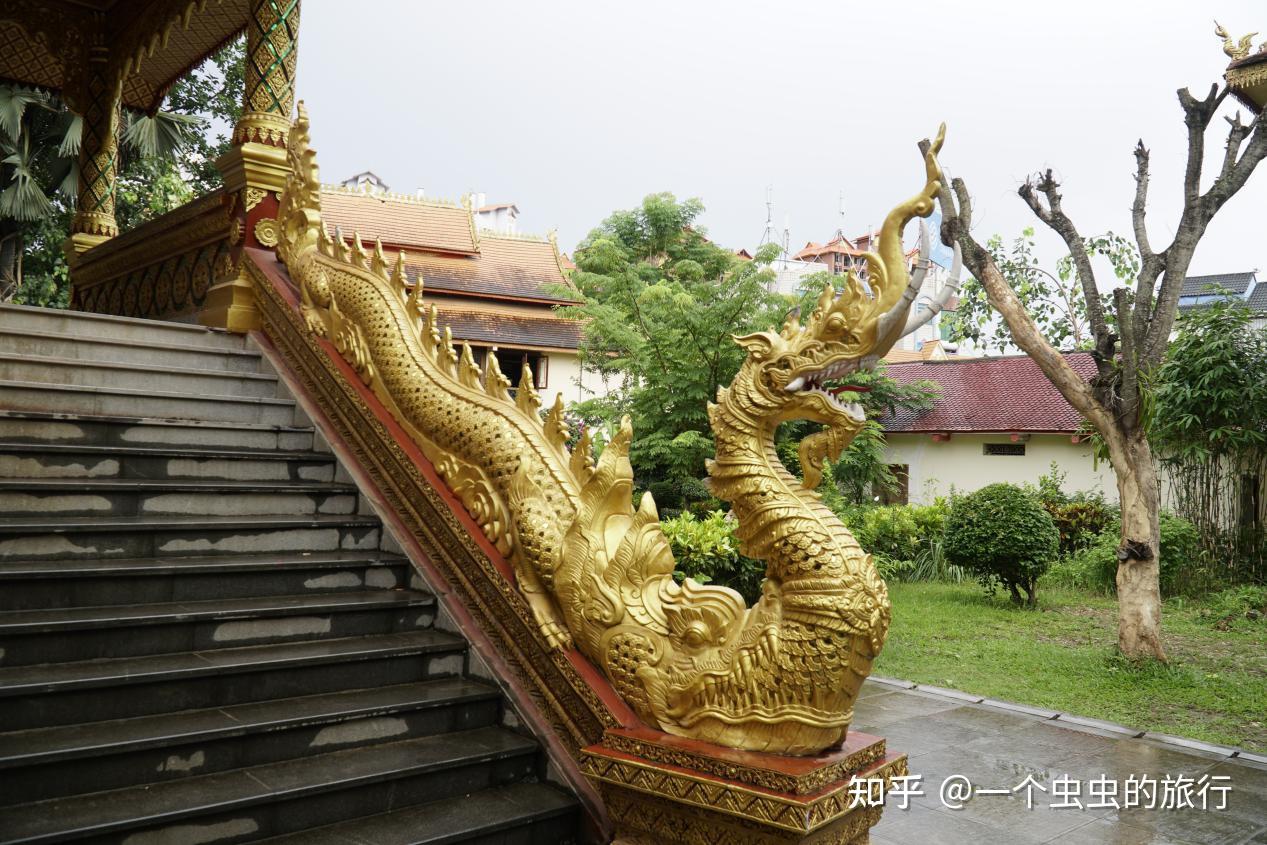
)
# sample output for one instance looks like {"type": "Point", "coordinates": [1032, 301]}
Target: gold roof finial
{"type": "Point", "coordinates": [1235, 50]}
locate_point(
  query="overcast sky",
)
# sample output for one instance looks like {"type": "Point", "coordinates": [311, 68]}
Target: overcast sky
{"type": "Point", "coordinates": [572, 110]}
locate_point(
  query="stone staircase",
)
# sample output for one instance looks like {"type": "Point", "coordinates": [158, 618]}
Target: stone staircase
{"type": "Point", "coordinates": [201, 637]}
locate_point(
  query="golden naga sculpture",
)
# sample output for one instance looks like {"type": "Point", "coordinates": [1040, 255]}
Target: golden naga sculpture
{"type": "Point", "coordinates": [1236, 50]}
{"type": "Point", "coordinates": [691, 659]}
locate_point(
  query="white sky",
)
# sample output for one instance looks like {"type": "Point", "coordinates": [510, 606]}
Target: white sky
{"type": "Point", "coordinates": [575, 109]}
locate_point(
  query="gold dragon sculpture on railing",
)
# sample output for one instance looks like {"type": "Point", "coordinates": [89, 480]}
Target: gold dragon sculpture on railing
{"type": "Point", "coordinates": [691, 659]}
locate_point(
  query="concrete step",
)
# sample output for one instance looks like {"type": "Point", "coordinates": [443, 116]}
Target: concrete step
{"type": "Point", "coordinates": [121, 688]}
{"type": "Point", "coordinates": [155, 376]}
{"type": "Point", "coordinates": [159, 536]}
{"type": "Point", "coordinates": [22, 497]}
{"type": "Point", "coordinates": [92, 582]}
{"type": "Point", "coordinates": [183, 355]}
{"type": "Point", "coordinates": [103, 326]}
{"type": "Point", "coordinates": [35, 427]}
{"type": "Point", "coordinates": [516, 814]}
{"type": "Point", "coordinates": [48, 461]}
{"type": "Point", "coordinates": [51, 635]}
{"type": "Point", "coordinates": [68, 760]}
{"type": "Point", "coordinates": [144, 404]}
{"type": "Point", "coordinates": [287, 796]}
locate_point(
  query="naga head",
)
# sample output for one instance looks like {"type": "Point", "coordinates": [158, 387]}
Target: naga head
{"type": "Point", "coordinates": [801, 372]}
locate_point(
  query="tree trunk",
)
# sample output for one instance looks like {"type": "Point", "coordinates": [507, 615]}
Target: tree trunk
{"type": "Point", "coordinates": [1138, 570]}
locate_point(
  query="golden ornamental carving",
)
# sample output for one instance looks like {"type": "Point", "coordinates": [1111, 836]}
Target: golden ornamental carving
{"type": "Point", "coordinates": [266, 232]}
{"type": "Point", "coordinates": [253, 197]}
{"type": "Point", "coordinates": [795, 814]}
{"type": "Point", "coordinates": [1235, 49]}
{"type": "Point", "coordinates": [691, 659]}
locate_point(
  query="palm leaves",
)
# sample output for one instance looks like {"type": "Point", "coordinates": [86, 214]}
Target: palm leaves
{"type": "Point", "coordinates": [39, 142]}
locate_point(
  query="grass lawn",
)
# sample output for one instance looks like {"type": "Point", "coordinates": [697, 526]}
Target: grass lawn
{"type": "Point", "coordinates": [1061, 657]}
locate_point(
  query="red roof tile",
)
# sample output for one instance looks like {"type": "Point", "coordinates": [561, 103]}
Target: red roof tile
{"type": "Point", "coordinates": [483, 327]}
{"type": "Point", "coordinates": [989, 394]}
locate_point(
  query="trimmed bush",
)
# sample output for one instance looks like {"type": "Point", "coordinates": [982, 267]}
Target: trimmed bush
{"type": "Point", "coordinates": [1004, 536]}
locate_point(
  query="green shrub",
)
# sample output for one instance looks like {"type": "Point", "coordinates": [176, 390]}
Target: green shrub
{"type": "Point", "coordinates": [706, 550]}
{"type": "Point", "coordinates": [898, 532]}
{"type": "Point", "coordinates": [1237, 606]}
{"type": "Point", "coordinates": [1182, 570]}
{"type": "Point", "coordinates": [1079, 522]}
{"type": "Point", "coordinates": [1004, 536]}
{"type": "Point", "coordinates": [931, 565]}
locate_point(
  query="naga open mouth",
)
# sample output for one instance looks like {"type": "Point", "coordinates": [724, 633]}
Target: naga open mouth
{"type": "Point", "coordinates": [816, 382]}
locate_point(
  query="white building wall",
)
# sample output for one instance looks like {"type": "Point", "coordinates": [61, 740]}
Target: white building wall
{"type": "Point", "coordinates": [789, 275]}
{"type": "Point", "coordinates": [960, 463]}
{"type": "Point", "coordinates": [566, 377]}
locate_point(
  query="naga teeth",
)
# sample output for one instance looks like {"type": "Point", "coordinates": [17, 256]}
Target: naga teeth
{"type": "Point", "coordinates": [795, 384]}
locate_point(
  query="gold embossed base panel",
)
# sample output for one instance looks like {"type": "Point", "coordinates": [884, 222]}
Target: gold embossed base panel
{"type": "Point", "coordinates": [653, 802]}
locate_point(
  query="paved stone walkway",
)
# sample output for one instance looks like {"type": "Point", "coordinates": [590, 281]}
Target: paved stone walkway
{"type": "Point", "coordinates": [997, 746]}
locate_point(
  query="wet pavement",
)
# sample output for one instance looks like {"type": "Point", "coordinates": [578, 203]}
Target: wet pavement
{"type": "Point", "coordinates": [1089, 783]}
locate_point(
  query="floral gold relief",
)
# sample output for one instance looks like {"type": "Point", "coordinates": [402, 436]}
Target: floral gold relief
{"type": "Point", "coordinates": [597, 574]}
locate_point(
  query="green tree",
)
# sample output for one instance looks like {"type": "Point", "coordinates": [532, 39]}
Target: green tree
{"type": "Point", "coordinates": [662, 304]}
{"type": "Point", "coordinates": [1129, 340]}
{"type": "Point", "coordinates": [1054, 301]}
{"type": "Point", "coordinates": [1209, 427]}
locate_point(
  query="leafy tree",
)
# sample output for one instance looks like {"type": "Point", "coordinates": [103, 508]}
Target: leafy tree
{"type": "Point", "coordinates": [1004, 536]}
{"type": "Point", "coordinates": [662, 304]}
{"type": "Point", "coordinates": [1129, 341]}
{"type": "Point", "coordinates": [1054, 301]}
{"type": "Point", "coordinates": [1209, 427]}
{"type": "Point", "coordinates": [862, 473]}
{"type": "Point", "coordinates": [164, 161]}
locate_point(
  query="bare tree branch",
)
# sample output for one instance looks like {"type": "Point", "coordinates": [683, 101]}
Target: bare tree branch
{"type": "Point", "coordinates": [1054, 216]}
{"type": "Point", "coordinates": [1199, 210]}
{"type": "Point", "coordinates": [956, 214]}
{"type": "Point", "coordinates": [1139, 208]}
{"type": "Point", "coordinates": [1151, 264]}
{"type": "Point", "coordinates": [1130, 367]}
{"type": "Point", "coordinates": [1235, 137]}
{"type": "Point", "coordinates": [1197, 115]}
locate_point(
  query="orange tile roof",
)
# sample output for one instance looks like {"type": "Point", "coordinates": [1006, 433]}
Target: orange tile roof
{"type": "Point", "coordinates": [484, 327]}
{"type": "Point", "coordinates": [506, 267]}
{"type": "Point", "coordinates": [439, 244]}
{"type": "Point", "coordinates": [401, 222]}
{"type": "Point", "coordinates": [836, 244]}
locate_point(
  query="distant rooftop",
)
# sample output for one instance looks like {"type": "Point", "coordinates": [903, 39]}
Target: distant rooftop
{"type": "Point", "coordinates": [1008, 393]}
{"type": "Point", "coordinates": [1202, 291]}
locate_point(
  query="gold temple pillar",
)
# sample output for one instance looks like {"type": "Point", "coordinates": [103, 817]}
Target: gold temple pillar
{"type": "Point", "coordinates": [97, 102]}
{"type": "Point", "coordinates": [255, 169]}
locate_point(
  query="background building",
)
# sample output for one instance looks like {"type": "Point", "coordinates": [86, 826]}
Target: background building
{"type": "Point", "coordinates": [495, 289]}
{"type": "Point", "coordinates": [997, 419]}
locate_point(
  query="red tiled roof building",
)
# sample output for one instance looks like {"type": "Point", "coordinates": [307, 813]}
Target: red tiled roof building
{"type": "Point", "coordinates": [995, 419]}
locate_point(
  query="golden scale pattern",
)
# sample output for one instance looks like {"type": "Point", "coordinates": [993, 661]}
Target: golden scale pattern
{"type": "Point", "coordinates": [691, 659]}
